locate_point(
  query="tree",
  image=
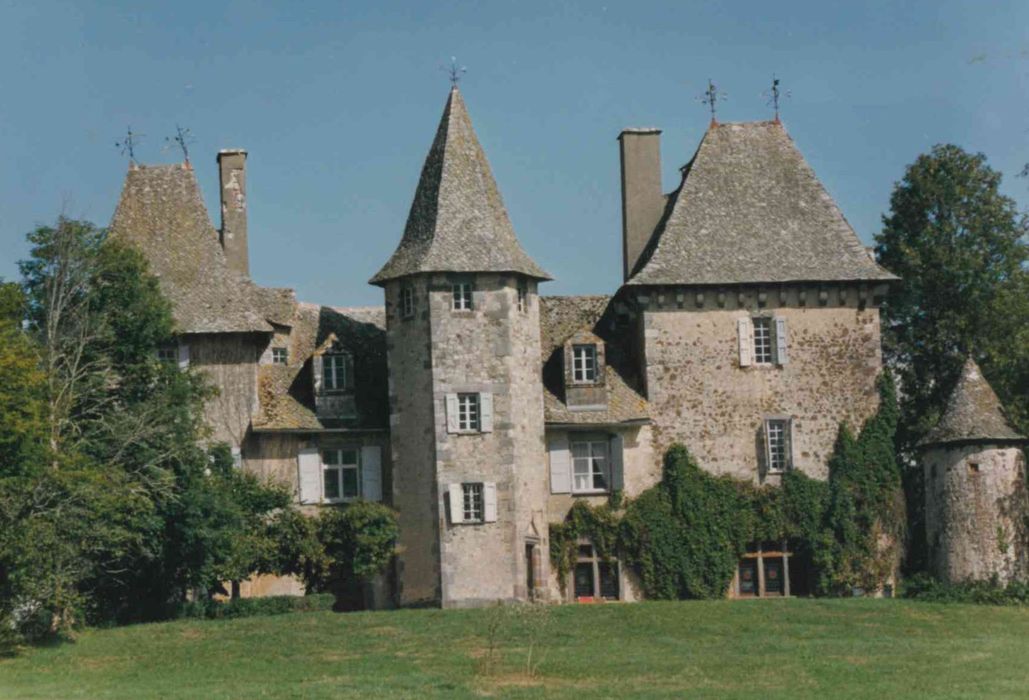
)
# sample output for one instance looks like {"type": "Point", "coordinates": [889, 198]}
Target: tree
{"type": "Point", "coordinates": [960, 249]}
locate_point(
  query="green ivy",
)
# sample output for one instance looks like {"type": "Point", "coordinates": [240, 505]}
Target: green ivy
{"type": "Point", "coordinates": [685, 535]}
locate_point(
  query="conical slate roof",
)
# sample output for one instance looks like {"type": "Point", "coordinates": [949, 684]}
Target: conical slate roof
{"type": "Point", "coordinates": [162, 214]}
{"type": "Point", "coordinates": [973, 414]}
{"type": "Point", "coordinates": [751, 210]}
{"type": "Point", "coordinates": [457, 221]}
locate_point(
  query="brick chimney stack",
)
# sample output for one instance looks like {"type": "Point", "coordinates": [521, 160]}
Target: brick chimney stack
{"type": "Point", "coordinates": [232, 171]}
{"type": "Point", "coordinates": [643, 203]}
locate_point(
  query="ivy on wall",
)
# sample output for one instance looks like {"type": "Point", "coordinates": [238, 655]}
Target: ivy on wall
{"type": "Point", "coordinates": [684, 536]}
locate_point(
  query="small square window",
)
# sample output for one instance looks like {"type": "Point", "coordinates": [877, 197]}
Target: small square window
{"type": "Point", "coordinates": [762, 340]}
{"type": "Point", "coordinates": [462, 296]}
{"type": "Point", "coordinates": [777, 444]}
{"type": "Point", "coordinates": [468, 412]}
{"type": "Point", "coordinates": [168, 353]}
{"type": "Point", "coordinates": [407, 302]}
{"type": "Point", "coordinates": [280, 356]}
{"type": "Point", "coordinates": [584, 364]}
{"type": "Point", "coordinates": [472, 495]}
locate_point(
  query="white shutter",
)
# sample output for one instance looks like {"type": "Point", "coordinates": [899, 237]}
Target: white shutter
{"type": "Point", "coordinates": [316, 370]}
{"type": "Point", "coordinates": [617, 464]}
{"type": "Point", "coordinates": [486, 412]}
{"type": "Point", "coordinates": [560, 464]}
{"type": "Point", "coordinates": [183, 356]}
{"type": "Point", "coordinates": [781, 351]}
{"type": "Point", "coordinates": [489, 502]}
{"type": "Point", "coordinates": [451, 401]}
{"type": "Point", "coordinates": [371, 473]}
{"type": "Point", "coordinates": [456, 503]}
{"type": "Point", "coordinates": [309, 476]}
{"type": "Point", "coordinates": [745, 331]}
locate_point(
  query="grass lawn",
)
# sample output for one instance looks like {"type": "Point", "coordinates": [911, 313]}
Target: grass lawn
{"type": "Point", "coordinates": [721, 649]}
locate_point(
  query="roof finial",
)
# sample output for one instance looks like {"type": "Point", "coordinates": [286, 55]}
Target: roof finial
{"type": "Point", "coordinates": [454, 72]}
{"type": "Point", "coordinates": [774, 94]}
{"type": "Point", "coordinates": [711, 97]}
{"type": "Point", "coordinates": [128, 145]}
{"type": "Point", "coordinates": [182, 138]}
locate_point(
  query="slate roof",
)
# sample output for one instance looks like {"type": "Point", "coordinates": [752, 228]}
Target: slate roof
{"type": "Point", "coordinates": [751, 210]}
{"type": "Point", "coordinates": [285, 392]}
{"type": "Point", "coordinates": [560, 319]}
{"type": "Point", "coordinates": [162, 214]}
{"type": "Point", "coordinates": [973, 414]}
{"type": "Point", "coordinates": [457, 221]}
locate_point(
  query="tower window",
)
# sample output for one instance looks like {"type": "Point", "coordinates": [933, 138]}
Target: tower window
{"type": "Point", "coordinates": [280, 356]}
{"type": "Point", "coordinates": [778, 451]}
{"type": "Point", "coordinates": [407, 302]}
{"type": "Point", "coordinates": [973, 468]}
{"type": "Point", "coordinates": [584, 364]}
{"type": "Point", "coordinates": [763, 340]}
{"type": "Point", "coordinates": [523, 296]}
{"type": "Point", "coordinates": [472, 501]}
{"type": "Point", "coordinates": [468, 412]}
{"type": "Point", "coordinates": [462, 296]}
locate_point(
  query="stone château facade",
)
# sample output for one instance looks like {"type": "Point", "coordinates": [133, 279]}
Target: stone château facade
{"type": "Point", "coordinates": [746, 327]}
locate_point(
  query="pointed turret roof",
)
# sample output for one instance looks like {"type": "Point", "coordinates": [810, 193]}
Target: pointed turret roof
{"type": "Point", "coordinates": [162, 215]}
{"type": "Point", "coordinates": [457, 221]}
{"type": "Point", "coordinates": [973, 414]}
{"type": "Point", "coordinates": [751, 210]}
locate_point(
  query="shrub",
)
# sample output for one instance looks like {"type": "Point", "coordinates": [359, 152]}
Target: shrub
{"type": "Point", "coordinates": [255, 607]}
{"type": "Point", "coordinates": [987, 592]}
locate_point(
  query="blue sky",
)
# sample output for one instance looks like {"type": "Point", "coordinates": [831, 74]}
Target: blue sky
{"type": "Point", "coordinates": [337, 103]}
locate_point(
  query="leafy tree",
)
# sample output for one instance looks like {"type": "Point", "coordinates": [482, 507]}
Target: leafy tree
{"type": "Point", "coordinates": [960, 248]}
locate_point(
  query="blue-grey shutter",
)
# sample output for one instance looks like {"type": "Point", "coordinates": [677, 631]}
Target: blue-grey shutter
{"type": "Point", "coordinates": [371, 473]}
{"type": "Point", "coordinates": [183, 356]}
{"type": "Point", "coordinates": [617, 463]}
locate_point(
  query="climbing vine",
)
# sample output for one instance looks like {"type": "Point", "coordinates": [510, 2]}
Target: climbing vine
{"type": "Point", "coordinates": [684, 536]}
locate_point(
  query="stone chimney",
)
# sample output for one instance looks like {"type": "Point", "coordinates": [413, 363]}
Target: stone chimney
{"type": "Point", "coordinates": [232, 174]}
{"type": "Point", "coordinates": [642, 200]}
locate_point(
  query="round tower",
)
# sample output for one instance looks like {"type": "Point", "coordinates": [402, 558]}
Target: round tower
{"type": "Point", "coordinates": [975, 489]}
{"type": "Point", "coordinates": [466, 395]}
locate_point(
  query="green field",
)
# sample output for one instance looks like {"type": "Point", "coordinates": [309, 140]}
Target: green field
{"type": "Point", "coordinates": [721, 649]}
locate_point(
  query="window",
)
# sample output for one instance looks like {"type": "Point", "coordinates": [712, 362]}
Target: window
{"type": "Point", "coordinates": [770, 569]}
{"type": "Point", "coordinates": [336, 371]}
{"type": "Point", "coordinates": [777, 444]}
{"type": "Point", "coordinates": [407, 302]}
{"type": "Point", "coordinates": [763, 340]}
{"type": "Point", "coordinates": [589, 466]}
{"type": "Point", "coordinates": [168, 353]}
{"type": "Point", "coordinates": [584, 364]}
{"type": "Point", "coordinates": [472, 502]}
{"type": "Point", "coordinates": [468, 412]}
{"type": "Point", "coordinates": [340, 471]}
{"type": "Point", "coordinates": [280, 356]}
{"type": "Point", "coordinates": [523, 296]}
{"type": "Point", "coordinates": [595, 578]}
{"type": "Point", "coordinates": [462, 296]}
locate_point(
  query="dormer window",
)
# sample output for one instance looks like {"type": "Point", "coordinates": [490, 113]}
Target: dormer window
{"type": "Point", "coordinates": [461, 294]}
{"type": "Point", "coordinates": [337, 372]}
{"type": "Point", "coordinates": [584, 364]}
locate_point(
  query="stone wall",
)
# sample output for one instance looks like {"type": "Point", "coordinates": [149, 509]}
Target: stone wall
{"type": "Point", "coordinates": [700, 395]}
{"type": "Point", "coordinates": [975, 512]}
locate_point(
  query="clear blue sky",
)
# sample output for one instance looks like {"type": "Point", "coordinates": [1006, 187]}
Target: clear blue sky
{"type": "Point", "coordinates": [337, 103]}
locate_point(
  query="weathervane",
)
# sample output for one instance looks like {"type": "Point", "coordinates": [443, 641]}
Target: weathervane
{"type": "Point", "coordinates": [711, 97]}
{"type": "Point", "coordinates": [128, 144]}
{"type": "Point", "coordinates": [774, 94]}
{"type": "Point", "coordinates": [182, 138]}
{"type": "Point", "coordinates": [454, 72]}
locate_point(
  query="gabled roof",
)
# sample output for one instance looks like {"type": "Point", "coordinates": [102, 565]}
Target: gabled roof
{"type": "Point", "coordinates": [750, 210]}
{"type": "Point", "coordinates": [457, 221]}
{"type": "Point", "coordinates": [162, 214]}
{"type": "Point", "coordinates": [973, 414]}
{"type": "Point", "coordinates": [286, 392]}
{"type": "Point", "coordinates": [564, 317]}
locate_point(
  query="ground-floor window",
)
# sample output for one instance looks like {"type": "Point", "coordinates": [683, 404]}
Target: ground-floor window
{"type": "Point", "coordinates": [770, 569]}
{"type": "Point", "coordinates": [594, 578]}
{"type": "Point", "coordinates": [341, 473]}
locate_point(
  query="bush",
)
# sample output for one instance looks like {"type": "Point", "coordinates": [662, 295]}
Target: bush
{"type": "Point", "coordinates": [9, 637]}
{"type": "Point", "coordinates": [989, 592]}
{"type": "Point", "coordinates": [255, 607]}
